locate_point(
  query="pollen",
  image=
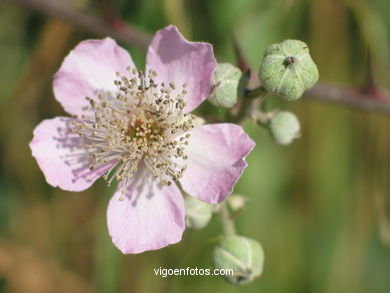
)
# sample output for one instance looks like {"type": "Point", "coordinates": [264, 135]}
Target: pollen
{"type": "Point", "coordinates": [142, 123]}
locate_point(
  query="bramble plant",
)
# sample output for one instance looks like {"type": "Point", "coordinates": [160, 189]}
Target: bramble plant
{"type": "Point", "coordinates": [173, 169]}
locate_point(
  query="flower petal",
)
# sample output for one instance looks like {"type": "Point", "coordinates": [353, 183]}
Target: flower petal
{"type": "Point", "coordinates": [182, 62]}
{"type": "Point", "coordinates": [61, 156]}
{"type": "Point", "coordinates": [89, 69]}
{"type": "Point", "coordinates": [147, 217]}
{"type": "Point", "coordinates": [216, 159]}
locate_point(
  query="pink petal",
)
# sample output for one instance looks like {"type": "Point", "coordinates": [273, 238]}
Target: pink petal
{"type": "Point", "coordinates": [61, 156]}
{"type": "Point", "coordinates": [148, 217]}
{"type": "Point", "coordinates": [89, 69]}
{"type": "Point", "coordinates": [179, 61]}
{"type": "Point", "coordinates": [216, 160]}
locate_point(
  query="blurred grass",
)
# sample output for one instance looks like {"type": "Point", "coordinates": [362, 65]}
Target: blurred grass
{"type": "Point", "coordinates": [313, 206]}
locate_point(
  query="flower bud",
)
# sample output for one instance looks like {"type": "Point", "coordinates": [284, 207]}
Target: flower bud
{"type": "Point", "coordinates": [288, 69]}
{"type": "Point", "coordinates": [226, 85]}
{"type": "Point", "coordinates": [198, 213]}
{"type": "Point", "coordinates": [237, 202]}
{"type": "Point", "coordinates": [284, 127]}
{"type": "Point", "coordinates": [245, 256]}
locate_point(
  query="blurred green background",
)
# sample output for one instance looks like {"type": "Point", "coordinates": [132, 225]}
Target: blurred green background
{"type": "Point", "coordinates": [320, 208]}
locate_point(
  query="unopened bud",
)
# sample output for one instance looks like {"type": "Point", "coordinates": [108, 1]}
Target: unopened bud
{"type": "Point", "coordinates": [237, 202]}
{"type": "Point", "coordinates": [288, 69]}
{"type": "Point", "coordinates": [243, 255]}
{"type": "Point", "coordinates": [226, 85]}
{"type": "Point", "coordinates": [284, 127]}
{"type": "Point", "coordinates": [198, 213]}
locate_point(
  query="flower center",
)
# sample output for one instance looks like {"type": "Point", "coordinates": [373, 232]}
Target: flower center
{"type": "Point", "coordinates": [141, 128]}
{"type": "Point", "coordinates": [142, 122]}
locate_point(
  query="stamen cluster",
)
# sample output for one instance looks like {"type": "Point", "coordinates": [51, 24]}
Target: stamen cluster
{"type": "Point", "coordinates": [143, 122]}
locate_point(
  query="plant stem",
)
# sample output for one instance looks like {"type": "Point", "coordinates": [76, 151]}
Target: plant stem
{"type": "Point", "coordinates": [251, 98]}
{"type": "Point", "coordinates": [246, 104]}
{"type": "Point", "coordinates": [226, 220]}
{"type": "Point", "coordinates": [255, 93]}
{"type": "Point", "coordinates": [89, 22]}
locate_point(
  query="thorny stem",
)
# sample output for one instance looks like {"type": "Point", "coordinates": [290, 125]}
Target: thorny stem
{"type": "Point", "coordinates": [89, 22]}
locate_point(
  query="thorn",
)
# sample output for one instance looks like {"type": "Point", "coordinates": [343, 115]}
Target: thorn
{"type": "Point", "coordinates": [241, 60]}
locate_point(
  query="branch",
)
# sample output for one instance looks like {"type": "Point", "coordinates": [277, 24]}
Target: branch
{"type": "Point", "coordinates": [93, 24]}
{"type": "Point", "coordinates": [130, 35]}
{"type": "Point", "coordinates": [350, 98]}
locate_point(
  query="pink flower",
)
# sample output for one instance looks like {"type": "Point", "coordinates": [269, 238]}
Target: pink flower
{"type": "Point", "coordinates": [136, 128]}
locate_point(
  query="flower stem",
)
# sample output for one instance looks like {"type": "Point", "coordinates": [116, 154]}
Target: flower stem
{"type": "Point", "coordinates": [255, 93]}
{"type": "Point", "coordinates": [226, 220]}
{"type": "Point", "coordinates": [247, 102]}
{"type": "Point", "coordinates": [251, 98]}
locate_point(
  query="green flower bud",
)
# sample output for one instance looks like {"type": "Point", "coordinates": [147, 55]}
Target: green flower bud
{"type": "Point", "coordinates": [284, 127]}
{"type": "Point", "coordinates": [226, 85]}
{"type": "Point", "coordinates": [198, 213]}
{"type": "Point", "coordinates": [245, 256]}
{"type": "Point", "coordinates": [288, 70]}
